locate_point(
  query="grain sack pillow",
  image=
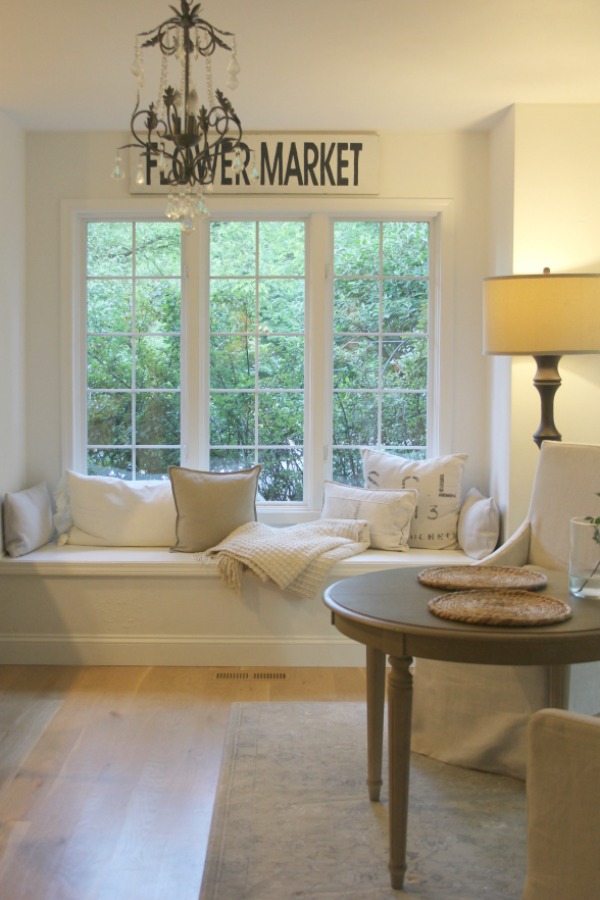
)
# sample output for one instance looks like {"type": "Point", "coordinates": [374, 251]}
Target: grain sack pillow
{"type": "Point", "coordinates": [478, 524]}
{"type": "Point", "coordinates": [438, 482]}
{"type": "Point", "coordinates": [388, 513]}
{"type": "Point", "coordinates": [210, 505]}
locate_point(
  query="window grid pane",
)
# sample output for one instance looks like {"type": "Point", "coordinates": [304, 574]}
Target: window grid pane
{"type": "Point", "coordinates": [133, 364]}
{"type": "Point", "coordinates": [380, 341]}
{"type": "Point", "coordinates": [257, 352]}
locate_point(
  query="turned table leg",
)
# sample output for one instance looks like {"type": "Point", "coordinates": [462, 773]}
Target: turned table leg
{"type": "Point", "coordinates": [399, 724]}
{"type": "Point", "coordinates": [375, 709]}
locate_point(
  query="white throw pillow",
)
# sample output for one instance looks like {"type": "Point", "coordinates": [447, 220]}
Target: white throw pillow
{"type": "Point", "coordinates": [388, 513]}
{"type": "Point", "coordinates": [438, 482]}
{"type": "Point", "coordinates": [111, 512]}
{"type": "Point", "coordinates": [478, 524]}
{"type": "Point", "coordinates": [27, 519]}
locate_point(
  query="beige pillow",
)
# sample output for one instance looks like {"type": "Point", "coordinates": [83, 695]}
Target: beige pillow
{"type": "Point", "coordinates": [478, 524]}
{"type": "Point", "coordinates": [438, 482]}
{"type": "Point", "coordinates": [210, 505]}
{"type": "Point", "coordinates": [27, 519]}
{"type": "Point", "coordinates": [388, 513]}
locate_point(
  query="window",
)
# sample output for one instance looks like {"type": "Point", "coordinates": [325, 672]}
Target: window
{"type": "Point", "coordinates": [380, 344]}
{"type": "Point", "coordinates": [288, 342]}
{"type": "Point", "coordinates": [133, 364]}
{"type": "Point", "coordinates": [257, 300]}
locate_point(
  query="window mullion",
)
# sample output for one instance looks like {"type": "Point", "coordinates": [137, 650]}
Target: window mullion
{"type": "Point", "coordinates": [197, 256]}
{"type": "Point", "coordinates": [195, 347]}
{"type": "Point", "coordinates": [319, 356]}
{"type": "Point", "coordinates": [257, 313]}
{"type": "Point", "coordinates": [134, 343]}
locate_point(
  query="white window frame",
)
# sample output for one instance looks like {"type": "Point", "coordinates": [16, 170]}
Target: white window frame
{"type": "Point", "coordinates": [319, 216]}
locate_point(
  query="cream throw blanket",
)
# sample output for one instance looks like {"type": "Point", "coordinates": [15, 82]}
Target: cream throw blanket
{"type": "Point", "coordinates": [296, 557]}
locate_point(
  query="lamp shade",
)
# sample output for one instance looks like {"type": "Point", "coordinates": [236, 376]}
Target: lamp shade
{"type": "Point", "coordinates": [541, 315]}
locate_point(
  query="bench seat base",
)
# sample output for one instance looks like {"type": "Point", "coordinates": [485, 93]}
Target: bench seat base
{"type": "Point", "coordinates": [77, 605]}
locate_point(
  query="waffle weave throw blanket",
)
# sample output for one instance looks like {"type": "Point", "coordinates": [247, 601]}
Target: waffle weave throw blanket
{"type": "Point", "coordinates": [297, 557]}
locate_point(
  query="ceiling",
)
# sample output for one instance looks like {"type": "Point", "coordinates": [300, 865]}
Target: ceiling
{"type": "Point", "coordinates": [310, 65]}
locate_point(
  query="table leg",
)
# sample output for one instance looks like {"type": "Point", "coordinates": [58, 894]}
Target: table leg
{"type": "Point", "coordinates": [375, 708]}
{"type": "Point", "coordinates": [399, 724]}
{"type": "Point", "coordinates": [560, 679]}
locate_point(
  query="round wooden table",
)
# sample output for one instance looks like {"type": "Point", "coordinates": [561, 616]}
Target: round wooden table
{"type": "Point", "coordinates": [387, 611]}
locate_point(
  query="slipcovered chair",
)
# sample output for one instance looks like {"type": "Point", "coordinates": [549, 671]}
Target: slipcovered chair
{"type": "Point", "coordinates": [563, 806]}
{"type": "Point", "coordinates": [475, 715]}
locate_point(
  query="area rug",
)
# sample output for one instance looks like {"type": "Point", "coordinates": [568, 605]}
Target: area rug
{"type": "Point", "coordinates": [293, 819]}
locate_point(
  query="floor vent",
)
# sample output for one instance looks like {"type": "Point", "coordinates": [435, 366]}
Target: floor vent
{"type": "Point", "coordinates": [232, 676]}
{"type": "Point", "coordinates": [246, 676]}
{"type": "Point", "coordinates": [270, 676]}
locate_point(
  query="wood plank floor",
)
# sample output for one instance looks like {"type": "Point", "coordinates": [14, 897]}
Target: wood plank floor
{"type": "Point", "coordinates": [108, 774]}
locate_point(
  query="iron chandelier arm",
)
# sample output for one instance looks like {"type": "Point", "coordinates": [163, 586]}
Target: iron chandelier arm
{"type": "Point", "coordinates": [186, 21]}
{"type": "Point", "coordinates": [193, 157]}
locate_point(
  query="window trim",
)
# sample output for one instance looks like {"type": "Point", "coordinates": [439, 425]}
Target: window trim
{"type": "Point", "coordinates": [319, 215]}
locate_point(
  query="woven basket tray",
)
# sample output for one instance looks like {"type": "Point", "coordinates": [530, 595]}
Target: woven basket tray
{"type": "Point", "coordinates": [472, 578]}
{"type": "Point", "coordinates": [500, 608]}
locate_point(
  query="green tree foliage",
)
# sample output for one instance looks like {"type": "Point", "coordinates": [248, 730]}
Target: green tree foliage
{"type": "Point", "coordinates": [381, 284]}
{"type": "Point", "coordinates": [133, 348]}
{"type": "Point", "coordinates": [257, 301]}
{"type": "Point", "coordinates": [256, 350]}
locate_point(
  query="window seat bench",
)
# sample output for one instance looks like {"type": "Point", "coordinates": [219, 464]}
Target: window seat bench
{"type": "Point", "coordinates": [84, 605]}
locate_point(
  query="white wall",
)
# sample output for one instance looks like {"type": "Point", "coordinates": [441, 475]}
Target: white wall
{"type": "Point", "coordinates": [59, 166]}
{"type": "Point", "coordinates": [502, 190]}
{"type": "Point", "coordinates": [77, 166]}
{"type": "Point", "coordinates": [12, 306]}
{"type": "Point", "coordinates": [552, 178]}
{"type": "Point", "coordinates": [537, 208]}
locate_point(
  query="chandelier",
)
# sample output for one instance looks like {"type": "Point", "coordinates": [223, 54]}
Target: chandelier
{"type": "Point", "coordinates": [177, 134]}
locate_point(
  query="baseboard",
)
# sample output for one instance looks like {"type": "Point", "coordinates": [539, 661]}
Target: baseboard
{"type": "Point", "coordinates": [179, 650]}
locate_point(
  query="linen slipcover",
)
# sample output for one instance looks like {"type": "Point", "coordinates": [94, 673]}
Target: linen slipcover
{"type": "Point", "coordinates": [476, 715]}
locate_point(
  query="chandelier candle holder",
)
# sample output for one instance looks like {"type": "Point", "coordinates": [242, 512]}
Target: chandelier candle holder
{"type": "Point", "coordinates": [184, 138]}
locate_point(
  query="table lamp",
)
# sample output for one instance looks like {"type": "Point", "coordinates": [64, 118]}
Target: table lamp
{"type": "Point", "coordinates": [544, 316]}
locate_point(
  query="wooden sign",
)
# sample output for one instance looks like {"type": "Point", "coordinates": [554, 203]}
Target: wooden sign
{"type": "Point", "coordinates": [333, 164]}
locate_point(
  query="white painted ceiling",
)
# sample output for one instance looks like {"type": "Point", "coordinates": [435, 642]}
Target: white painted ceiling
{"type": "Point", "coordinates": [310, 65]}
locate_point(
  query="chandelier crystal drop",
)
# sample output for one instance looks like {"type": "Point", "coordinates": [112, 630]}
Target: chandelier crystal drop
{"type": "Point", "coordinates": [178, 133]}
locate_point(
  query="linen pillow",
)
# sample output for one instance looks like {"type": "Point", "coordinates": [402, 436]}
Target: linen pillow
{"type": "Point", "coordinates": [388, 513]}
{"type": "Point", "coordinates": [210, 505]}
{"type": "Point", "coordinates": [478, 524]}
{"type": "Point", "coordinates": [438, 482]}
{"type": "Point", "coordinates": [27, 519]}
{"type": "Point", "coordinates": [111, 512]}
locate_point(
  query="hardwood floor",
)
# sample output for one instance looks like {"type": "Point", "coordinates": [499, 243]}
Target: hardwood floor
{"type": "Point", "coordinates": [108, 774]}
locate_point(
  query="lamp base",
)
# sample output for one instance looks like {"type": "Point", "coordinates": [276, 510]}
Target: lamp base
{"type": "Point", "coordinates": [547, 381]}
